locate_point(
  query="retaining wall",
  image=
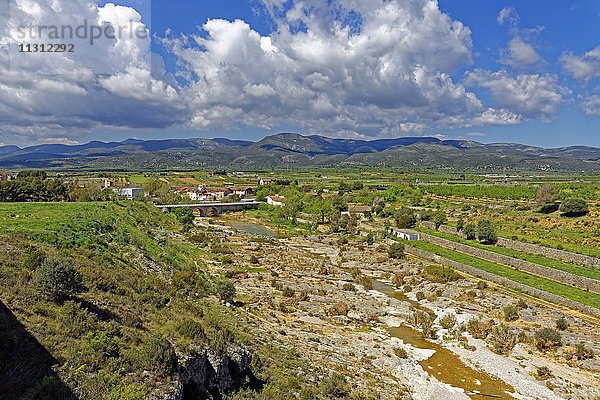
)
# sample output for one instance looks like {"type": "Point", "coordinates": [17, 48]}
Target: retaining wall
{"type": "Point", "coordinates": [555, 254]}
{"type": "Point", "coordinates": [504, 281]}
{"type": "Point", "coordinates": [567, 278]}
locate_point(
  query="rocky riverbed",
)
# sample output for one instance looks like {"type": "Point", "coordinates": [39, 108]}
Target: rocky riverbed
{"type": "Point", "coordinates": [315, 295]}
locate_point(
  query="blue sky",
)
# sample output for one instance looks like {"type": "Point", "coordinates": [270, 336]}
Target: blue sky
{"type": "Point", "coordinates": [493, 71]}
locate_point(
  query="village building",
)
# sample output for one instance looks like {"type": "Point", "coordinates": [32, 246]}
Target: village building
{"type": "Point", "coordinates": [360, 212]}
{"type": "Point", "coordinates": [265, 181]}
{"type": "Point", "coordinates": [129, 193]}
{"type": "Point", "coordinates": [277, 201]}
{"type": "Point", "coordinates": [406, 234]}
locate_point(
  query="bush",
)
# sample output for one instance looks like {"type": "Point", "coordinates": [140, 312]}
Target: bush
{"type": "Point", "coordinates": [370, 238]}
{"type": "Point", "coordinates": [440, 274]}
{"type": "Point", "coordinates": [76, 321]}
{"type": "Point", "coordinates": [486, 232]}
{"type": "Point", "coordinates": [420, 296]}
{"type": "Point", "coordinates": [448, 321]}
{"type": "Point", "coordinates": [158, 355]}
{"type": "Point", "coordinates": [547, 339]}
{"type": "Point", "coordinates": [400, 352]}
{"type": "Point", "coordinates": [58, 279]}
{"type": "Point", "coordinates": [288, 292]}
{"type": "Point", "coordinates": [470, 232]}
{"type": "Point", "coordinates": [334, 387]}
{"type": "Point", "coordinates": [478, 328]}
{"type": "Point", "coordinates": [225, 290]}
{"type": "Point", "coordinates": [424, 321]}
{"type": "Point", "coordinates": [481, 285]}
{"type": "Point", "coordinates": [460, 225]}
{"type": "Point", "coordinates": [543, 373]}
{"type": "Point", "coordinates": [582, 352]}
{"type": "Point", "coordinates": [573, 207]}
{"type": "Point", "coordinates": [503, 339]}
{"type": "Point", "coordinates": [348, 287]}
{"type": "Point", "coordinates": [191, 329]}
{"type": "Point", "coordinates": [398, 279]}
{"type": "Point", "coordinates": [338, 309]}
{"type": "Point", "coordinates": [511, 313]}
{"type": "Point", "coordinates": [562, 324]}
{"type": "Point", "coordinates": [396, 250]}
{"type": "Point", "coordinates": [254, 259]}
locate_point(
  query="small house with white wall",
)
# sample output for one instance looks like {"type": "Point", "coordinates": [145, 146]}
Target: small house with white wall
{"type": "Point", "coordinates": [405, 234]}
{"type": "Point", "coordinates": [129, 193]}
{"type": "Point", "coordinates": [277, 201]}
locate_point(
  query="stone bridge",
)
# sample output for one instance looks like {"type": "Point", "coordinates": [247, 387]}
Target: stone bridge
{"type": "Point", "coordinates": [213, 209]}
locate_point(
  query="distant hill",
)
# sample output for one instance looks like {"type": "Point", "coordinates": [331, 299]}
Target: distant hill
{"type": "Point", "coordinates": [298, 151]}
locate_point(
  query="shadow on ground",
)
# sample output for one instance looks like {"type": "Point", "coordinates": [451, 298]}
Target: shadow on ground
{"type": "Point", "coordinates": [25, 365]}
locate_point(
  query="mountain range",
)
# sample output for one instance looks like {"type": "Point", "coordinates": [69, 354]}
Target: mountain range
{"type": "Point", "coordinates": [298, 151]}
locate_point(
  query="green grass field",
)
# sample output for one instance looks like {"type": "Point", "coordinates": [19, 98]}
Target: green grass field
{"type": "Point", "coordinates": [588, 272]}
{"type": "Point", "coordinates": [547, 285]}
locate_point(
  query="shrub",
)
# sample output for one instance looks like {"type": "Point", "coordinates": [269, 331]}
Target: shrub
{"type": "Point", "coordinates": [34, 259]}
{"type": "Point", "coordinates": [335, 386]}
{"type": "Point", "coordinates": [288, 292]}
{"type": "Point", "coordinates": [401, 352]}
{"type": "Point", "coordinates": [547, 339]}
{"type": "Point", "coordinates": [543, 373]}
{"type": "Point", "coordinates": [365, 281]}
{"type": "Point", "coordinates": [254, 259]}
{"type": "Point", "coordinates": [481, 285]}
{"type": "Point", "coordinates": [511, 313]}
{"type": "Point", "coordinates": [158, 355]}
{"type": "Point", "coordinates": [562, 324]}
{"type": "Point", "coordinates": [470, 232]}
{"type": "Point", "coordinates": [370, 238]}
{"type": "Point", "coordinates": [338, 309]}
{"type": "Point", "coordinates": [348, 287]}
{"type": "Point", "coordinates": [503, 339]}
{"type": "Point", "coordinates": [423, 321]}
{"type": "Point", "coordinates": [522, 304]}
{"type": "Point", "coordinates": [441, 274]}
{"type": "Point", "coordinates": [420, 296]}
{"type": "Point", "coordinates": [225, 290]}
{"type": "Point", "coordinates": [396, 250]}
{"type": "Point", "coordinates": [58, 278]}
{"type": "Point", "coordinates": [582, 352]}
{"type": "Point", "coordinates": [398, 279]}
{"type": "Point", "coordinates": [448, 321]}
{"type": "Point", "coordinates": [572, 207]}
{"type": "Point", "coordinates": [478, 328]}
{"type": "Point", "coordinates": [191, 329]}
{"type": "Point", "coordinates": [76, 321]}
{"type": "Point", "coordinates": [486, 232]}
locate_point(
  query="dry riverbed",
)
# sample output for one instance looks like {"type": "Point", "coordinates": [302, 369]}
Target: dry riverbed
{"type": "Point", "coordinates": [313, 295]}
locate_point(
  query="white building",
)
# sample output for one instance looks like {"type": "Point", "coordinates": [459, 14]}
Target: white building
{"type": "Point", "coordinates": [129, 193]}
{"type": "Point", "coordinates": [277, 201]}
{"type": "Point", "coordinates": [405, 234]}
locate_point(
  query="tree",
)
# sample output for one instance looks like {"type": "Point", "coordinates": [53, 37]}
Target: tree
{"type": "Point", "coordinates": [339, 203]}
{"type": "Point", "coordinates": [460, 225]}
{"type": "Point", "coordinates": [405, 218]}
{"type": "Point", "coordinates": [396, 250]}
{"type": "Point", "coordinates": [546, 199]}
{"type": "Point", "coordinates": [573, 207]}
{"type": "Point", "coordinates": [184, 215]}
{"type": "Point", "coordinates": [440, 219]}
{"type": "Point", "coordinates": [470, 231]}
{"type": "Point", "coordinates": [58, 278]}
{"type": "Point", "coordinates": [486, 232]}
